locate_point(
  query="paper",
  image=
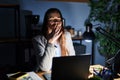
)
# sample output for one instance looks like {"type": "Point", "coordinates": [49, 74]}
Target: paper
{"type": "Point", "coordinates": [34, 76]}
{"type": "Point", "coordinates": [31, 75]}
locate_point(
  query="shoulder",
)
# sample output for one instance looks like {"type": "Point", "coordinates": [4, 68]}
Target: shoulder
{"type": "Point", "coordinates": [39, 38]}
{"type": "Point", "coordinates": [67, 34]}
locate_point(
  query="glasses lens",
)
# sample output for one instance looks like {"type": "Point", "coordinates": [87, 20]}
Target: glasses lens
{"type": "Point", "coordinates": [55, 20]}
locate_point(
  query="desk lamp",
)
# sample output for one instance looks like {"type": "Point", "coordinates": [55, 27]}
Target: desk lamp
{"type": "Point", "coordinates": [114, 62]}
{"type": "Point", "coordinates": [89, 36]}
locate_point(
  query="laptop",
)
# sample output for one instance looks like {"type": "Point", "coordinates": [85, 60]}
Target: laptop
{"type": "Point", "coordinates": [71, 67]}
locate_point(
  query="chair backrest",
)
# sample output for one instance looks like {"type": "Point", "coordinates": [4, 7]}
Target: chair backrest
{"type": "Point", "coordinates": [79, 48]}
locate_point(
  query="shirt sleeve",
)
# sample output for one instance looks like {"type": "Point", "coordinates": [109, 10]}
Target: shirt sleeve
{"type": "Point", "coordinates": [44, 53]}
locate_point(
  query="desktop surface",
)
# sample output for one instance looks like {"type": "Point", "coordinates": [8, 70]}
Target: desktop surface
{"type": "Point", "coordinates": [41, 74]}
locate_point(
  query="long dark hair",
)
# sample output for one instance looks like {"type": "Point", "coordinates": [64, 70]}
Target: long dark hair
{"type": "Point", "coordinates": [46, 17]}
{"type": "Point", "coordinates": [62, 39]}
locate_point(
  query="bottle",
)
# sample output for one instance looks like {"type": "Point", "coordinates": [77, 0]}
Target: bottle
{"type": "Point", "coordinates": [79, 33]}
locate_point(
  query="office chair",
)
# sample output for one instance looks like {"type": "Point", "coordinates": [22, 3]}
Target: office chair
{"type": "Point", "coordinates": [79, 48]}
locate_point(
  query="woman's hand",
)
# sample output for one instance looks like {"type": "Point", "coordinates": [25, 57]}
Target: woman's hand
{"type": "Point", "coordinates": [54, 35]}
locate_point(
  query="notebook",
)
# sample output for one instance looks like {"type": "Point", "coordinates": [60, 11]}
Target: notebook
{"type": "Point", "coordinates": [71, 67]}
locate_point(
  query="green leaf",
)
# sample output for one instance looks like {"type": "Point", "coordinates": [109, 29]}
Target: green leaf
{"type": "Point", "coordinates": [109, 15]}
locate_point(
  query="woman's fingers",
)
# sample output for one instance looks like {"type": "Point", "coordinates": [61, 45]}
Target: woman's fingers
{"type": "Point", "coordinates": [55, 34]}
{"type": "Point", "coordinates": [58, 31]}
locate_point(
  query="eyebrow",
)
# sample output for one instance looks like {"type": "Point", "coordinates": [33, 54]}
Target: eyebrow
{"type": "Point", "coordinates": [55, 18]}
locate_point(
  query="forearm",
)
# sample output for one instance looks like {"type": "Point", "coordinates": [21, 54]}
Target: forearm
{"type": "Point", "coordinates": [46, 61]}
{"type": "Point", "coordinates": [44, 53]}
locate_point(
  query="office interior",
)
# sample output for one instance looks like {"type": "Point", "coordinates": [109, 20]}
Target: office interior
{"type": "Point", "coordinates": [14, 26]}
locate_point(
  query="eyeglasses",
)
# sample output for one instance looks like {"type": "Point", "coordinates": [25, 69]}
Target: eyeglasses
{"type": "Point", "coordinates": [55, 20]}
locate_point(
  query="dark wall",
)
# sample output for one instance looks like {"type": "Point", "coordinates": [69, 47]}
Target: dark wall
{"type": "Point", "coordinates": [12, 52]}
{"type": "Point", "coordinates": [7, 50]}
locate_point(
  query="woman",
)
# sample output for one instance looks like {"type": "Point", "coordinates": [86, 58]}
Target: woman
{"type": "Point", "coordinates": [53, 41]}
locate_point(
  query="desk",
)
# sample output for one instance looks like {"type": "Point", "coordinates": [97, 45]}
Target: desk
{"type": "Point", "coordinates": [77, 38]}
{"type": "Point", "coordinates": [99, 66]}
{"type": "Point", "coordinates": [40, 74]}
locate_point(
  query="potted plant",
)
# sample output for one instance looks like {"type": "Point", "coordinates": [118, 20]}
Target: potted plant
{"type": "Point", "coordinates": [106, 13]}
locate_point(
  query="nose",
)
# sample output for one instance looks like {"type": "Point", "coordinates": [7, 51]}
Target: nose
{"type": "Point", "coordinates": [56, 23]}
{"type": "Point", "coordinates": [56, 20]}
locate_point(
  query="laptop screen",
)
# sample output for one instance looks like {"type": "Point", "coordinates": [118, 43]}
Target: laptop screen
{"type": "Point", "coordinates": [71, 67]}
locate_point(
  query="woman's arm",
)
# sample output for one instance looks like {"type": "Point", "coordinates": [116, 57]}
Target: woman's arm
{"type": "Point", "coordinates": [44, 53]}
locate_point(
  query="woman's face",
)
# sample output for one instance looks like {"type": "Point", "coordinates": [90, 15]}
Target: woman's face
{"type": "Point", "coordinates": [54, 21]}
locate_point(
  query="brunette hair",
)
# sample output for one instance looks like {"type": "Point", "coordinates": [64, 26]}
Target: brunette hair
{"type": "Point", "coordinates": [62, 39]}
{"type": "Point", "coordinates": [46, 17]}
